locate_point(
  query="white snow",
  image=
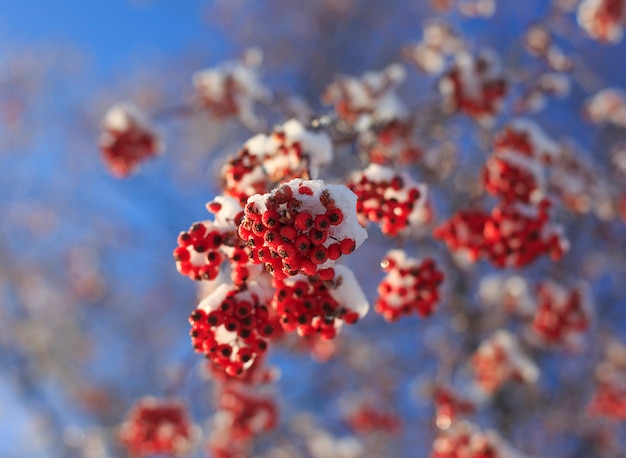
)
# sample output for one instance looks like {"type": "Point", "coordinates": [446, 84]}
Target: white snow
{"type": "Point", "coordinates": [349, 293]}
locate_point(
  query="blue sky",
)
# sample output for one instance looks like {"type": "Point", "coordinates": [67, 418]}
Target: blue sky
{"type": "Point", "coordinates": [111, 31]}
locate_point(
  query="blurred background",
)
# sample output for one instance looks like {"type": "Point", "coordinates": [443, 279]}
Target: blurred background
{"type": "Point", "coordinates": [93, 314]}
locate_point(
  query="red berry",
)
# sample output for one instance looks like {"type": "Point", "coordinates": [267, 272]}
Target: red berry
{"type": "Point", "coordinates": [270, 218]}
{"type": "Point", "coordinates": [347, 246]}
{"type": "Point", "coordinates": [326, 274]}
{"type": "Point", "coordinates": [214, 207]}
{"type": "Point", "coordinates": [303, 221]}
{"type": "Point", "coordinates": [335, 216]}
{"type": "Point", "coordinates": [302, 243]}
{"type": "Point", "coordinates": [321, 222]}
{"type": "Point", "coordinates": [319, 255]}
{"type": "Point", "coordinates": [288, 233]}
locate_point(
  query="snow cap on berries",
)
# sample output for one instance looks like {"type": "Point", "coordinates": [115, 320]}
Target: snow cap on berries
{"type": "Point", "coordinates": [368, 99]}
{"type": "Point", "coordinates": [273, 150]}
{"type": "Point", "coordinates": [232, 88]}
{"type": "Point", "coordinates": [474, 85]}
{"type": "Point", "coordinates": [500, 359]}
{"type": "Point", "coordinates": [289, 151]}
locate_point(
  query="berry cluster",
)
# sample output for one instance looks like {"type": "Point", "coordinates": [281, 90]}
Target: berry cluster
{"type": "Point", "coordinates": [498, 360]}
{"type": "Point", "coordinates": [515, 173]}
{"type": "Point", "coordinates": [369, 99]}
{"type": "Point", "coordinates": [516, 235]}
{"type": "Point", "coordinates": [512, 178]}
{"type": "Point", "coordinates": [232, 326]}
{"type": "Point", "coordinates": [202, 249]}
{"type": "Point", "coordinates": [301, 227]}
{"type": "Point", "coordinates": [525, 138]}
{"type": "Point", "coordinates": [474, 85]}
{"type": "Point", "coordinates": [518, 230]}
{"type": "Point", "coordinates": [466, 440]}
{"type": "Point", "coordinates": [603, 20]}
{"type": "Point", "coordinates": [366, 419]}
{"type": "Point", "coordinates": [463, 232]}
{"type": "Point", "coordinates": [306, 304]}
{"type": "Point", "coordinates": [296, 232]}
{"type": "Point", "coordinates": [198, 254]}
{"type": "Point", "coordinates": [157, 426]}
{"type": "Point", "coordinates": [393, 200]}
{"type": "Point", "coordinates": [409, 286]}
{"type": "Point", "coordinates": [390, 143]}
{"type": "Point", "coordinates": [561, 316]}
{"type": "Point", "coordinates": [127, 140]}
{"type": "Point", "coordinates": [232, 88]}
{"type": "Point", "coordinates": [290, 151]}
{"type": "Point", "coordinates": [609, 399]}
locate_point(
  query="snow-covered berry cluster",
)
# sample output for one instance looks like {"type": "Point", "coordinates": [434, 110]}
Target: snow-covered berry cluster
{"type": "Point", "coordinates": [391, 143]}
{"type": "Point", "coordinates": [303, 226]}
{"type": "Point", "coordinates": [525, 138]}
{"type": "Point", "coordinates": [157, 427]}
{"type": "Point", "coordinates": [463, 232]}
{"type": "Point", "coordinates": [313, 306]}
{"type": "Point", "coordinates": [609, 399]}
{"type": "Point", "coordinates": [409, 286]}
{"type": "Point", "coordinates": [512, 177]}
{"type": "Point", "coordinates": [518, 230]}
{"type": "Point", "coordinates": [515, 171]}
{"type": "Point", "coordinates": [296, 233]}
{"type": "Point", "coordinates": [498, 360]}
{"type": "Point", "coordinates": [474, 85]}
{"type": "Point", "coordinates": [466, 440]}
{"type": "Point", "coordinates": [603, 20]}
{"type": "Point", "coordinates": [207, 244]}
{"type": "Point", "coordinates": [370, 99]}
{"type": "Point", "coordinates": [290, 151]}
{"type": "Point", "coordinates": [127, 139]}
{"type": "Point", "coordinates": [232, 326]}
{"type": "Point", "coordinates": [562, 315]}
{"type": "Point", "coordinates": [393, 200]}
{"type": "Point", "coordinates": [232, 88]}
{"type": "Point", "coordinates": [517, 234]}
